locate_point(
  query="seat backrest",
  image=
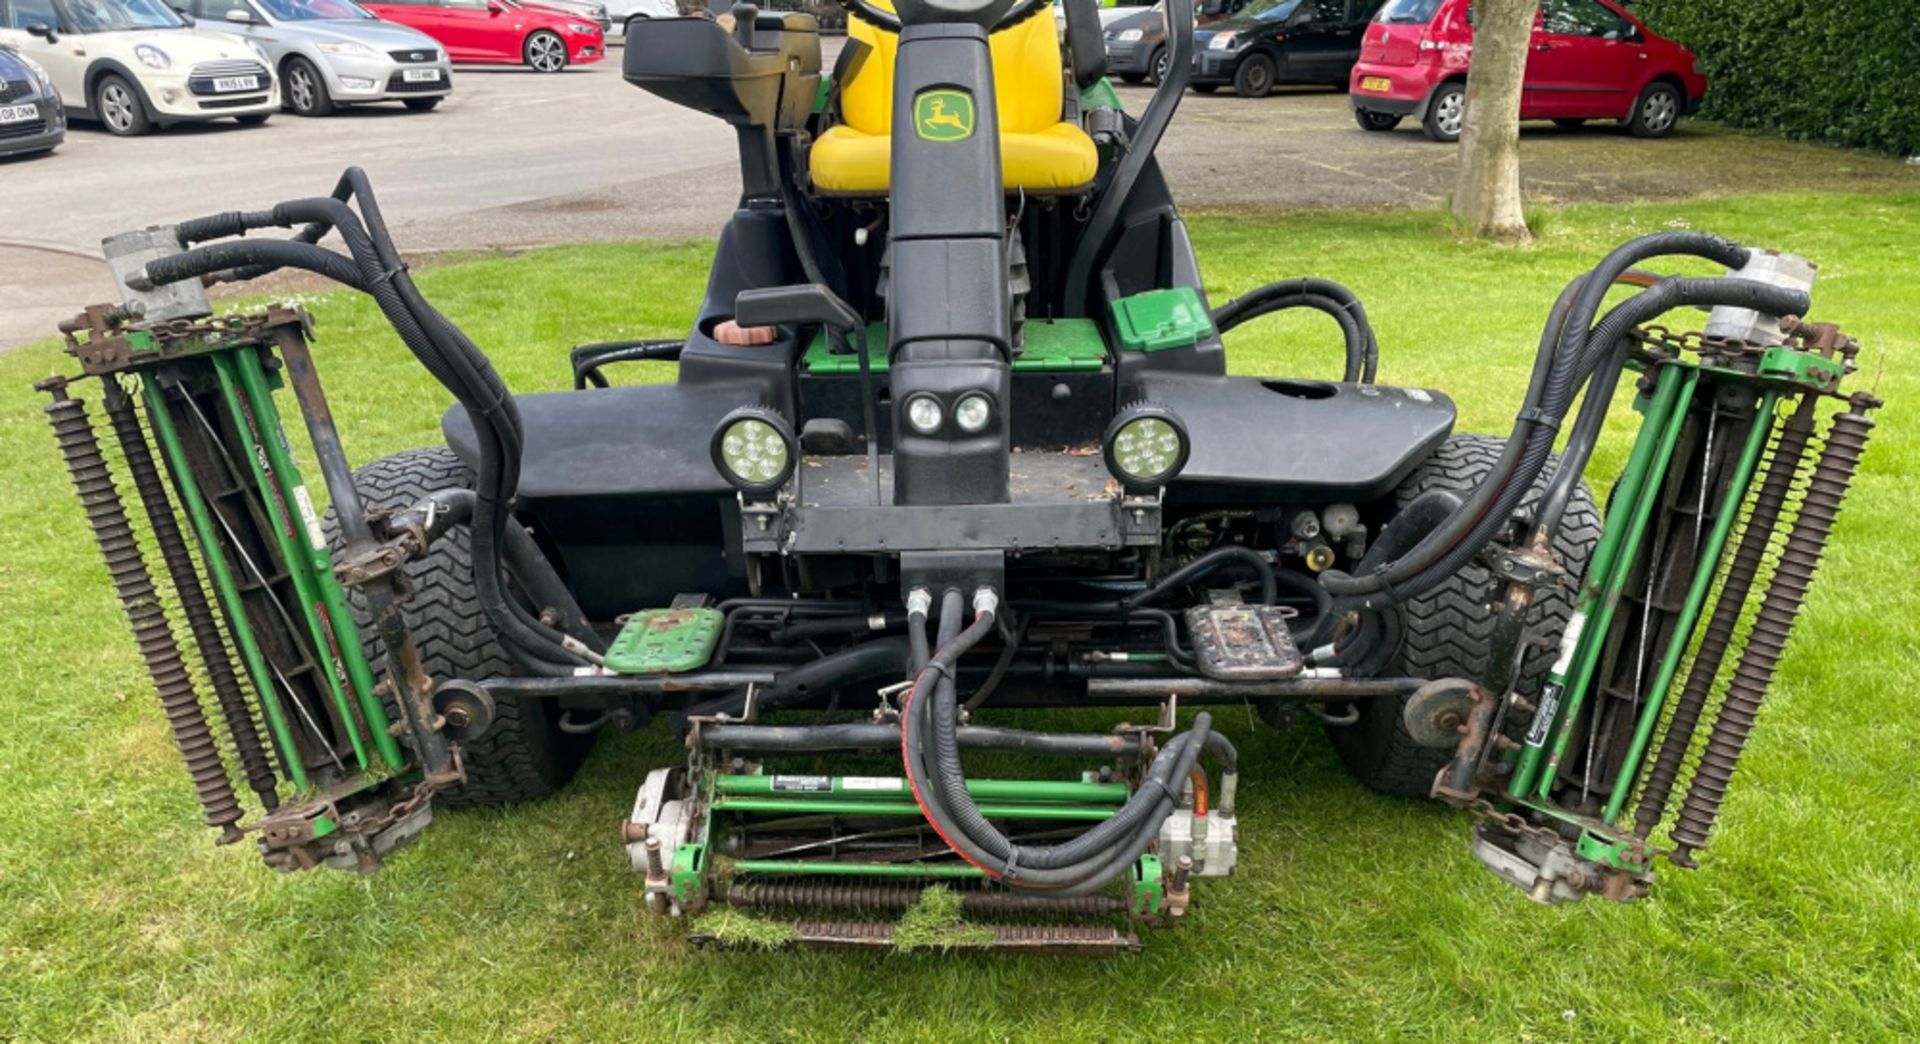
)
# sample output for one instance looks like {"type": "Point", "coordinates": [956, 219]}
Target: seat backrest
{"type": "Point", "coordinates": [1028, 77]}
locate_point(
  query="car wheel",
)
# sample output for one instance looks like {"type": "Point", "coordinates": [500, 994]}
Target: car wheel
{"type": "Point", "coordinates": [1158, 65]}
{"type": "Point", "coordinates": [252, 119]}
{"type": "Point", "coordinates": [420, 104]}
{"type": "Point", "coordinates": [1375, 121]}
{"type": "Point", "coordinates": [1254, 77]}
{"type": "Point", "coordinates": [545, 52]}
{"type": "Point", "coordinates": [1656, 111]}
{"type": "Point", "coordinates": [1570, 124]}
{"type": "Point", "coordinates": [118, 105]}
{"type": "Point", "coordinates": [307, 89]}
{"type": "Point", "coordinates": [1446, 112]}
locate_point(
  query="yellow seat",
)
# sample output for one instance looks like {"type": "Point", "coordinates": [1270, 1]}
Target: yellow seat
{"type": "Point", "coordinates": [1038, 151]}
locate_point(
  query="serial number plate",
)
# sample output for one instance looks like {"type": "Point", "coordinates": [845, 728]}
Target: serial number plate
{"type": "Point", "coordinates": [18, 113]}
{"type": "Point", "coordinates": [1375, 83]}
{"type": "Point", "coordinates": [230, 84]}
{"type": "Point", "coordinates": [420, 75]}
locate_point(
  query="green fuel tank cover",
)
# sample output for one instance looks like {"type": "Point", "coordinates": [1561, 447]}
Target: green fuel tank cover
{"type": "Point", "coordinates": [1161, 319]}
{"type": "Point", "coordinates": [665, 641]}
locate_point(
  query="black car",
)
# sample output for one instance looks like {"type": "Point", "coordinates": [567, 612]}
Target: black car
{"type": "Point", "coordinates": [1137, 43]}
{"type": "Point", "coordinates": [1282, 41]}
{"type": "Point", "coordinates": [31, 119]}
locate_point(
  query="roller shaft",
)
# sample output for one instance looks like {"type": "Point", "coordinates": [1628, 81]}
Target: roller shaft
{"type": "Point", "coordinates": [1799, 560]}
{"type": "Point", "coordinates": [893, 898]}
{"type": "Point", "coordinates": [134, 585]}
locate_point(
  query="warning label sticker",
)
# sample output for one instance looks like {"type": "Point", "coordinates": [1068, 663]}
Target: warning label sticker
{"type": "Point", "coordinates": [887, 783]}
{"type": "Point", "coordinates": [802, 784]}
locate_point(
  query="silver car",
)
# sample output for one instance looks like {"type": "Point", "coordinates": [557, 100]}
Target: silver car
{"type": "Point", "coordinates": [331, 53]}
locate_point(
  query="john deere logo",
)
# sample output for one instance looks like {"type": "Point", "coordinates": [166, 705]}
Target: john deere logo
{"type": "Point", "coordinates": [943, 115]}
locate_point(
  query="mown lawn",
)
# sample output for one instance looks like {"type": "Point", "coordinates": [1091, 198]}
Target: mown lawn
{"type": "Point", "coordinates": [1352, 917]}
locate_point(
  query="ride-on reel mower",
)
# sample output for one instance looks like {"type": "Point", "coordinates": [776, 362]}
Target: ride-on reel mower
{"type": "Point", "coordinates": [952, 436]}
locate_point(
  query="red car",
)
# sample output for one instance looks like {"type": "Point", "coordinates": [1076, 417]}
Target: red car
{"type": "Point", "coordinates": [492, 31]}
{"type": "Point", "coordinates": [1590, 60]}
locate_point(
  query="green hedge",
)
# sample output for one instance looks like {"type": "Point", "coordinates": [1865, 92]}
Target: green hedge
{"type": "Point", "coordinates": [1839, 71]}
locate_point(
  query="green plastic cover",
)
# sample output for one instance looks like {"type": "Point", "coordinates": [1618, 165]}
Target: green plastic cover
{"type": "Point", "coordinates": [1051, 346]}
{"type": "Point", "coordinates": [1161, 319]}
{"type": "Point", "coordinates": [665, 641]}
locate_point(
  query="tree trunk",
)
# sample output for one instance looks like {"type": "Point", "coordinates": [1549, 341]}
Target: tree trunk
{"type": "Point", "coordinates": [1486, 197]}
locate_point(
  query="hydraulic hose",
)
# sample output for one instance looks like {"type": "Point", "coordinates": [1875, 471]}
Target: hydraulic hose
{"type": "Point", "coordinates": [1325, 295]}
{"type": "Point", "coordinates": [1205, 564]}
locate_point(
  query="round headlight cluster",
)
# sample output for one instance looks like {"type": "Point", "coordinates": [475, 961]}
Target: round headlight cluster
{"type": "Point", "coordinates": [972, 414]}
{"type": "Point", "coordinates": [1146, 446]}
{"type": "Point", "coordinates": [924, 414]}
{"type": "Point", "coordinates": [753, 449]}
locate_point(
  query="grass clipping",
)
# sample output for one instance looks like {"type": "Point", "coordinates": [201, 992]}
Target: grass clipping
{"type": "Point", "coordinates": [935, 923]}
{"type": "Point", "coordinates": [730, 927]}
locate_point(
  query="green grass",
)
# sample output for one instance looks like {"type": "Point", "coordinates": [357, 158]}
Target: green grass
{"type": "Point", "coordinates": [1352, 916]}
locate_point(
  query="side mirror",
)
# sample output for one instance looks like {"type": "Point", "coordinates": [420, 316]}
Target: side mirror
{"type": "Point", "coordinates": [41, 30]}
{"type": "Point", "coordinates": [241, 16]}
{"type": "Point", "coordinates": [494, 7]}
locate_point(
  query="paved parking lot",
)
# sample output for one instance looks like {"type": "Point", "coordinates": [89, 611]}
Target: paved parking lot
{"type": "Point", "coordinates": [517, 159]}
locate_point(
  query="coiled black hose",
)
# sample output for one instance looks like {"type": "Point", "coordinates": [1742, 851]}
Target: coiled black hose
{"type": "Point", "coordinates": [1324, 295]}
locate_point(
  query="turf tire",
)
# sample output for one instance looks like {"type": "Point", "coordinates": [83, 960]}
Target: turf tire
{"type": "Point", "coordinates": [524, 755]}
{"type": "Point", "coordinates": [1449, 630]}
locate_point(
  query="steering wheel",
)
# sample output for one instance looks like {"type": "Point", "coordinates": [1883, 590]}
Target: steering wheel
{"type": "Point", "coordinates": [961, 11]}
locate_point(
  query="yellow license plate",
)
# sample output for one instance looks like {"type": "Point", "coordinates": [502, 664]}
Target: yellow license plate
{"type": "Point", "coordinates": [1375, 83]}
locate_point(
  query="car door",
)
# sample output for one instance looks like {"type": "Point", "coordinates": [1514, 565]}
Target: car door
{"type": "Point", "coordinates": [1583, 62]}
{"type": "Point", "coordinates": [64, 59]}
{"type": "Point", "coordinates": [478, 29]}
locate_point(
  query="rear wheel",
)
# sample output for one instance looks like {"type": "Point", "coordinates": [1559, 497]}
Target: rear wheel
{"type": "Point", "coordinates": [1375, 121]}
{"type": "Point", "coordinates": [118, 106]}
{"type": "Point", "coordinates": [1655, 112]}
{"type": "Point", "coordinates": [545, 52]}
{"type": "Point", "coordinates": [524, 755]}
{"type": "Point", "coordinates": [1254, 76]}
{"type": "Point", "coordinates": [1448, 632]}
{"type": "Point", "coordinates": [307, 89]}
{"type": "Point", "coordinates": [420, 104]}
{"type": "Point", "coordinates": [1446, 112]}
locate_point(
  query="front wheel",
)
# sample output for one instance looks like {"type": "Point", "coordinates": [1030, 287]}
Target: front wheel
{"type": "Point", "coordinates": [1375, 121]}
{"type": "Point", "coordinates": [1157, 66]}
{"type": "Point", "coordinates": [1254, 77]}
{"type": "Point", "coordinates": [545, 52]}
{"type": "Point", "coordinates": [118, 105]}
{"type": "Point", "coordinates": [1448, 632]}
{"type": "Point", "coordinates": [1446, 113]}
{"type": "Point", "coordinates": [525, 754]}
{"type": "Point", "coordinates": [1655, 112]}
{"type": "Point", "coordinates": [307, 89]}
{"type": "Point", "coordinates": [420, 104]}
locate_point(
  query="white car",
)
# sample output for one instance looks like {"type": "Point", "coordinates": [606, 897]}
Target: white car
{"type": "Point", "coordinates": [626, 14]}
{"type": "Point", "coordinates": [135, 64]}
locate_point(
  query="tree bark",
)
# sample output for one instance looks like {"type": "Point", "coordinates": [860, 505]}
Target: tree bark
{"type": "Point", "coordinates": [1486, 195]}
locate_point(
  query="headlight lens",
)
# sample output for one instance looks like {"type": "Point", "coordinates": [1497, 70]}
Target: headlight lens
{"type": "Point", "coordinates": [1222, 42]}
{"type": "Point", "coordinates": [347, 47]}
{"type": "Point", "coordinates": [152, 57]}
{"type": "Point", "coordinates": [1146, 447]}
{"type": "Point", "coordinates": [582, 28]}
{"type": "Point", "coordinates": [1128, 35]}
{"type": "Point", "coordinates": [924, 414]}
{"type": "Point", "coordinates": [973, 413]}
{"type": "Point", "coordinates": [753, 449]}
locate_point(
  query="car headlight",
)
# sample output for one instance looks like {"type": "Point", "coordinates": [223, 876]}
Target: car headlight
{"type": "Point", "coordinates": [152, 57]}
{"type": "Point", "coordinates": [1145, 447]}
{"type": "Point", "coordinates": [1221, 42]}
{"type": "Point", "coordinates": [1129, 35]}
{"type": "Point", "coordinates": [582, 28]}
{"type": "Point", "coordinates": [347, 47]}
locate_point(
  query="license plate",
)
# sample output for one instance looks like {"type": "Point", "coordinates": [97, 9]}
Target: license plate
{"type": "Point", "coordinates": [420, 75]}
{"type": "Point", "coordinates": [229, 84]}
{"type": "Point", "coordinates": [1375, 83]}
{"type": "Point", "coordinates": [18, 113]}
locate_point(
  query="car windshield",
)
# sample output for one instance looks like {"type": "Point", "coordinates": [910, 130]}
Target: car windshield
{"type": "Point", "coordinates": [1271, 10]}
{"type": "Point", "coordinates": [313, 10]}
{"type": "Point", "coordinates": [1408, 12]}
{"type": "Point", "coordinates": [108, 16]}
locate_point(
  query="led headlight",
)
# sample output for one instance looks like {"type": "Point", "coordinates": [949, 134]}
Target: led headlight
{"type": "Point", "coordinates": [753, 448]}
{"type": "Point", "coordinates": [152, 57]}
{"type": "Point", "coordinates": [924, 414]}
{"type": "Point", "coordinates": [973, 412]}
{"type": "Point", "coordinates": [582, 28]}
{"type": "Point", "coordinates": [1145, 447]}
{"type": "Point", "coordinates": [1221, 41]}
